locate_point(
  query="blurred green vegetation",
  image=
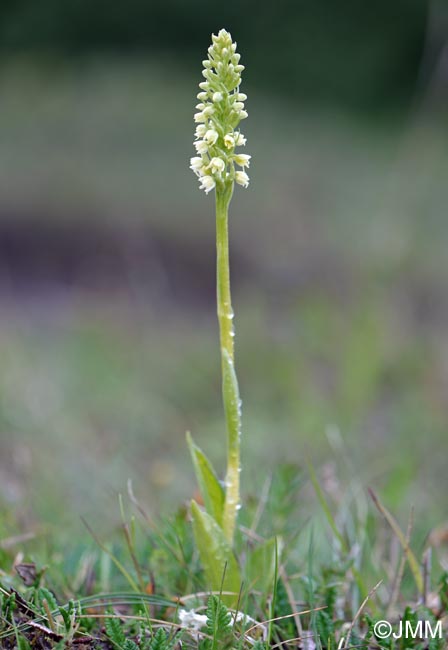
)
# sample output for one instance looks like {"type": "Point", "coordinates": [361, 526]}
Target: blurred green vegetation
{"type": "Point", "coordinates": [355, 54]}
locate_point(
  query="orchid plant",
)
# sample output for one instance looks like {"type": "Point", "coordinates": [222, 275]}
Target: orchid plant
{"type": "Point", "coordinates": [218, 166]}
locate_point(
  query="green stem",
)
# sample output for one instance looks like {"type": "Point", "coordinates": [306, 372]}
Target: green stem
{"type": "Point", "coordinates": [229, 382]}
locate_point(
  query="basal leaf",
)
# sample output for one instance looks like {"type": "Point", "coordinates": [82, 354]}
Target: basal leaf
{"type": "Point", "coordinates": [211, 489]}
{"type": "Point", "coordinates": [216, 555]}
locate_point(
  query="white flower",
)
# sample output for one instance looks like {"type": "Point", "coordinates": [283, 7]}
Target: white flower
{"type": "Point", "coordinates": [211, 136]}
{"type": "Point", "coordinates": [199, 117]}
{"type": "Point", "coordinates": [217, 165]}
{"type": "Point", "coordinates": [201, 146]}
{"type": "Point", "coordinates": [207, 183]}
{"type": "Point", "coordinates": [197, 165]}
{"type": "Point", "coordinates": [217, 97]}
{"type": "Point", "coordinates": [229, 140]}
{"type": "Point", "coordinates": [201, 130]}
{"type": "Point", "coordinates": [238, 106]}
{"type": "Point", "coordinates": [208, 110]}
{"type": "Point", "coordinates": [192, 620]}
{"type": "Point", "coordinates": [242, 178]}
{"type": "Point", "coordinates": [242, 159]}
{"type": "Point", "coordinates": [242, 114]}
{"type": "Point", "coordinates": [240, 140]}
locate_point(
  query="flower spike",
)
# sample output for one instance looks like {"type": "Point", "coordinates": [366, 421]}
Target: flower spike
{"type": "Point", "coordinates": [220, 110]}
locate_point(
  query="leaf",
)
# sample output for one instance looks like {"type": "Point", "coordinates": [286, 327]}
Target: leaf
{"type": "Point", "coordinates": [114, 630]}
{"type": "Point", "coordinates": [219, 625]}
{"type": "Point", "coordinates": [211, 489]}
{"type": "Point", "coordinates": [260, 566]}
{"type": "Point", "coordinates": [159, 640]}
{"type": "Point", "coordinates": [45, 594]}
{"type": "Point", "coordinates": [130, 645]}
{"type": "Point", "coordinates": [216, 555]}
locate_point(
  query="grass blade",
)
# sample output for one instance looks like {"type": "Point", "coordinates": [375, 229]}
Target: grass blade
{"type": "Point", "coordinates": [412, 560]}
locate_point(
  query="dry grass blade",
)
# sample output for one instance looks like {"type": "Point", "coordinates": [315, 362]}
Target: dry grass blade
{"type": "Point", "coordinates": [130, 545]}
{"type": "Point", "coordinates": [10, 542]}
{"type": "Point", "coordinates": [427, 563]}
{"type": "Point", "coordinates": [358, 613]}
{"type": "Point", "coordinates": [412, 560]}
{"type": "Point", "coordinates": [281, 618]}
{"type": "Point", "coordinates": [115, 560]}
{"type": "Point", "coordinates": [325, 507]}
{"type": "Point", "coordinates": [400, 572]}
{"type": "Point", "coordinates": [290, 595]}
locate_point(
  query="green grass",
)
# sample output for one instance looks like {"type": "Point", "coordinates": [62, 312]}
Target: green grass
{"type": "Point", "coordinates": [339, 258]}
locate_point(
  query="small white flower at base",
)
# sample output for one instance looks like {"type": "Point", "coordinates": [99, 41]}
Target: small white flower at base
{"type": "Point", "coordinates": [242, 159]}
{"type": "Point", "coordinates": [242, 178]}
{"type": "Point", "coordinates": [201, 146]}
{"type": "Point", "coordinates": [229, 141]}
{"type": "Point", "coordinates": [240, 140]}
{"type": "Point", "coordinates": [217, 165]}
{"type": "Point", "coordinates": [243, 115]}
{"type": "Point", "coordinates": [211, 136]}
{"type": "Point", "coordinates": [192, 620]}
{"type": "Point", "coordinates": [207, 184]}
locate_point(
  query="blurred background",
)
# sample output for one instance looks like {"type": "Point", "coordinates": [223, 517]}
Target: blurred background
{"type": "Point", "coordinates": [108, 338]}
